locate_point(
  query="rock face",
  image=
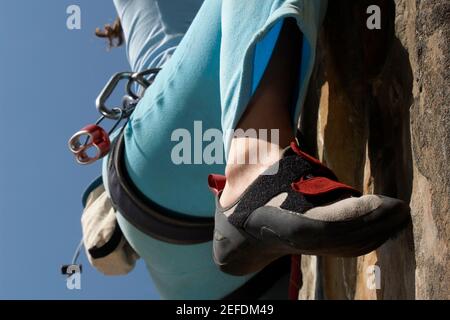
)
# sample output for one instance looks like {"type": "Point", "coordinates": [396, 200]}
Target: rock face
{"type": "Point", "coordinates": [383, 125]}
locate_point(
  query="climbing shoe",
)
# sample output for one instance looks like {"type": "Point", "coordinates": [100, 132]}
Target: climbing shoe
{"type": "Point", "coordinates": [299, 207]}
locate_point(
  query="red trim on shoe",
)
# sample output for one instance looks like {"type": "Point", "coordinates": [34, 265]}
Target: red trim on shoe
{"type": "Point", "coordinates": [216, 183]}
{"type": "Point", "coordinates": [320, 185]}
{"type": "Point", "coordinates": [311, 159]}
{"type": "Point", "coordinates": [304, 155]}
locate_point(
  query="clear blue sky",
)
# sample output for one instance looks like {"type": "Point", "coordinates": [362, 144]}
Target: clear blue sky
{"type": "Point", "coordinates": [49, 79]}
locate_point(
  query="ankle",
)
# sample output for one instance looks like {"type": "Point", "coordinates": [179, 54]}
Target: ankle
{"type": "Point", "coordinates": [248, 159]}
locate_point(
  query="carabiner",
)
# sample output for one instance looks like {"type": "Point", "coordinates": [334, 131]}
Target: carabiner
{"type": "Point", "coordinates": [100, 102]}
{"type": "Point", "coordinates": [97, 138]}
{"type": "Point", "coordinates": [139, 78]}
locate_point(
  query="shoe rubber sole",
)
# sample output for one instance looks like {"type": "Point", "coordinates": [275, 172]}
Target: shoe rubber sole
{"type": "Point", "coordinates": [270, 233]}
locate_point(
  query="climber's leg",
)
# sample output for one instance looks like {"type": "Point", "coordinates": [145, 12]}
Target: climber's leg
{"type": "Point", "coordinates": [271, 108]}
{"type": "Point", "coordinates": [186, 90]}
{"type": "Point", "coordinates": [271, 87]}
{"type": "Point", "coordinates": [217, 66]}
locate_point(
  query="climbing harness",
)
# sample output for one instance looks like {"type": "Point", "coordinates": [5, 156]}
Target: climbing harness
{"type": "Point", "coordinates": [95, 137]}
{"type": "Point", "coordinates": [98, 139]}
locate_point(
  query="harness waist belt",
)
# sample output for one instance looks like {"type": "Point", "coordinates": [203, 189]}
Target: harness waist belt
{"type": "Point", "coordinates": [148, 217]}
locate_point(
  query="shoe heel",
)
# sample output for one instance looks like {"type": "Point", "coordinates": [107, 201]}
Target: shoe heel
{"type": "Point", "coordinates": [238, 254]}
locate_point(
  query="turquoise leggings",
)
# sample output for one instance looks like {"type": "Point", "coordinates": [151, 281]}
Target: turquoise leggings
{"type": "Point", "coordinates": [209, 74]}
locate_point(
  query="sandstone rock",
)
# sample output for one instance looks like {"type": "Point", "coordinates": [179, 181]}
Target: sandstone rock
{"type": "Point", "coordinates": [383, 125]}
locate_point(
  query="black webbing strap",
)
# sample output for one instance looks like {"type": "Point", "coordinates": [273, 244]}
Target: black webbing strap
{"type": "Point", "coordinates": [110, 246]}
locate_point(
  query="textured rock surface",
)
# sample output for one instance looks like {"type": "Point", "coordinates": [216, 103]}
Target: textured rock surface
{"type": "Point", "coordinates": [383, 125]}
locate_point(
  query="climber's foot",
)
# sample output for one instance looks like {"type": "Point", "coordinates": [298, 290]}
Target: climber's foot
{"type": "Point", "coordinates": [299, 208]}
